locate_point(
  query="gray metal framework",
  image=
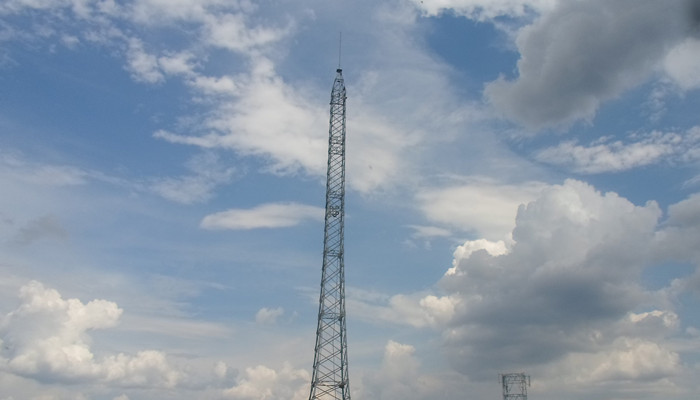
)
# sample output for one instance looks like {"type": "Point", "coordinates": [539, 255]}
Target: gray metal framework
{"type": "Point", "coordinates": [329, 379]}
{"type": "Point", "coordinates": [515, 386]}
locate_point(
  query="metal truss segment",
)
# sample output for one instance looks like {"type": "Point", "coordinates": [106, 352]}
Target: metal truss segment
{"type": "Point", "coordinates": [330, 379]}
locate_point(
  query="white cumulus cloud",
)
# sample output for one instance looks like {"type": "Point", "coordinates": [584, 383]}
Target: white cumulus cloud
{"type": "Point", "coordinates": [479, 205]}
{"type": "Point", "coordinates": [268, 315]}
{"type": "Point", "coordinates": [565, 297]}
{"type": "Point", "coordinates": [566, 289]}
{"type": "Point", "coordinates": [400, 377]}
{"type": "Point", "coordinates": [419, 310]}
{"type": "Point", "coordinates": [264, 383]}
{"type": "Point", "coordinates": [47, 338]}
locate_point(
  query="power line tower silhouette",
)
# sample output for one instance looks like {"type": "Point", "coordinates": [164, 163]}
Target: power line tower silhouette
{"type": "Point", "coordinates": [329, 380]}
{"type": "Point", "coordinates": [515, 386]}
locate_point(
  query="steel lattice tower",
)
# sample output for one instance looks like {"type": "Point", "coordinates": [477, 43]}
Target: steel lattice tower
{"type": "Point", "coordinates": [515, 386]}
{"type": "Point", "coordinates": [329, 379]}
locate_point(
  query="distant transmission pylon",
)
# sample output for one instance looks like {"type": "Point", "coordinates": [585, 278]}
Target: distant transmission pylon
{"type": "Point", "coordinates": [329, 379]}
{"type": "Point", "coordinates": [515, 386]}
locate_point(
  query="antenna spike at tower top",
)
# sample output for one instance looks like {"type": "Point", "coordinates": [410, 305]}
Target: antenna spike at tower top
{"type": "Point", "coordinates": [340, 50]}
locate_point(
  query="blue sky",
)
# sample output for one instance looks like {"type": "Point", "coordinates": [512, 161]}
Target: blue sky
{"type": "Point", "coordinates": [523, 195]}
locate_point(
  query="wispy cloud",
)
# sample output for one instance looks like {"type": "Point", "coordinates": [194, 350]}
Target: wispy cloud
{"type": "Point", "coordinates": [609, 155]}
{"type": "Point", "coordinates": [48, 226]}
{"type": "Point", "coordinates": [16, 166]}
{"type": "Point", "coordinates": [208, 173]}
{"type": "Point", "coordinates": [427, 232]}
{"type": "Point", "coordinates": [272, 215]}
{"type": "Point", "coordinates": [485, 9]}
